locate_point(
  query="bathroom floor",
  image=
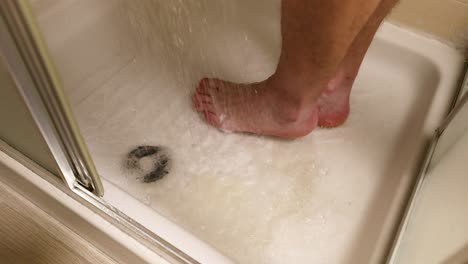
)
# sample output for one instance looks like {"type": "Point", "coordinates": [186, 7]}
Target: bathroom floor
{"type": "Point", "coordinates": [30, 235]}
{"type": "Point", "coordinates": [333, 196]}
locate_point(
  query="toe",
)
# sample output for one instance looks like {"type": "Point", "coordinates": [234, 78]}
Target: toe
{"type": "Point", "coordinates": [196, 104]}
{"type": "Point", "coordinates": [203, 90]}
{"type": "Point", "coordinates": [201, 102]}
{"type": "Point", "coordinates": [215, 84]}
{"type": "Point", "coordinates": [206, 86]}
{"type": "Point", "coordinates": [212, 118]}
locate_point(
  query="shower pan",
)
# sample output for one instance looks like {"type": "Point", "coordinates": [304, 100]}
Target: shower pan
{"type": "Point", "coordinates": [109, 84]}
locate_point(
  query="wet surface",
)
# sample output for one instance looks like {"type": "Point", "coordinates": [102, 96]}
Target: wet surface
{"type": "Point", "coordinates": [159, 159]}
{"type": "Point", "coordinates": [325, 198]}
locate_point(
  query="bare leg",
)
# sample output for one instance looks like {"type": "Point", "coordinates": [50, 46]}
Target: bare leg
{"type": "Point", "coordinates": [334, 103]}
{"type": "Point", "coordinates": [316, 37]}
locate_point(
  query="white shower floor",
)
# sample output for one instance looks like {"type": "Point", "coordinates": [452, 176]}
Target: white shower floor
{"type": "Point", "coordinates": [333, 196]}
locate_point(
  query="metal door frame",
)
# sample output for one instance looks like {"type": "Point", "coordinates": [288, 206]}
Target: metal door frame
{"type": "Point", "coordinates": [29, 63]}
{"type": "Point", "coordinates": [460, 102]}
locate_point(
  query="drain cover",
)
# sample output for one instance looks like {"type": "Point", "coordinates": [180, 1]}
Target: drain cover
{"type": "Point", "coordinates": [159, 159]}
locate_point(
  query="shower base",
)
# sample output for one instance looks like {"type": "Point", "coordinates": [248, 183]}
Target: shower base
{"type": "Point", "coordinates": [334, 196]}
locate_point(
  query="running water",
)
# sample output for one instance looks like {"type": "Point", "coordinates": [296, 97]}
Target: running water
{"type": "Point", "coordinates": [242, 194]}
{"type": "Point", "coordinates": [129, 70]}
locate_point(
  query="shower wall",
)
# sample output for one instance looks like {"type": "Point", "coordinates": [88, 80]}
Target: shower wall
{"type": "Point", "coordinates": [86, 39]}
{"type": "Point", "coordinates": [447, 20]}
{"type": "Point", "coordinates": [436, 231]}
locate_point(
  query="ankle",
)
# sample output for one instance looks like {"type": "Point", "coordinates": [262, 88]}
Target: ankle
{"type": "Point", "coordinates": [295, 90]}
{"type": "Point", "coordinates": [291, 110]}
{"type": "Point", "coordinates": [288, 107]}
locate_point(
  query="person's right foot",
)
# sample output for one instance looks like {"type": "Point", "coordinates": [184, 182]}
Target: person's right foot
{"type": "Point", "coordinates": [333, 104]}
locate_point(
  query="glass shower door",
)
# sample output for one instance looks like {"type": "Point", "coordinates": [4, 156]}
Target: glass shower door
{"type": "Point", "coordinates": [28, 62]}
{"type": "Point", "coordinates": [30, 66]}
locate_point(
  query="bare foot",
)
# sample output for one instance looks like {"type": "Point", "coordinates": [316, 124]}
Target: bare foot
{"type": "Point", "coordinates": [258, 108]}
{"type": "Point", "coordinates": [333, 104]}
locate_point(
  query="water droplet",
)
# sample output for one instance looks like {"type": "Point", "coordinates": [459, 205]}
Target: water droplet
{"type": "Point", "coordinates": [147, 199]}
{"type": "Point", "coordinates": [323, 171]}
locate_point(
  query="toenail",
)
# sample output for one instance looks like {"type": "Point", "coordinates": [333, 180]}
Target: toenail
{"type": "Point", "coordinates": [211, 117]}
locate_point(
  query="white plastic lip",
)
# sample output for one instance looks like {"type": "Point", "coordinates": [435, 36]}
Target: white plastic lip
{"type": "Point", "coordinates": [164, 228]}
{"type": "Point", "coordinates": [22, 167]}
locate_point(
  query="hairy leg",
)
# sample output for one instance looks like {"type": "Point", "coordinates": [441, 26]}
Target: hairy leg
{"type": "Point", "coordinates": [316, 35]}
{"type": "Point", "coordinates": [334, 102]}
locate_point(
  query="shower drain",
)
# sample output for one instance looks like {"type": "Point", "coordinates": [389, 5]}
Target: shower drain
{"type": "Point", "coordinates": [157, 158]}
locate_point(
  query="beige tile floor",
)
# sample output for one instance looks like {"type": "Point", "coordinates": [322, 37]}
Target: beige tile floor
{"type": "Point", "coordinates": [28, 235]}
